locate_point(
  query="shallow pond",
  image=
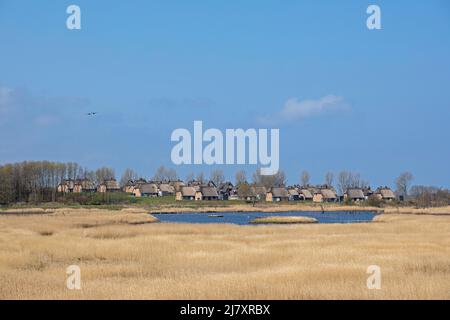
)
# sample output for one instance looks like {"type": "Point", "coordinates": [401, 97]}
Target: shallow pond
{"type": "Point", "coordinates": [244, 218]}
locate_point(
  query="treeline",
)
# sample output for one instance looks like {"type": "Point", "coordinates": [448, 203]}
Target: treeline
{"type": "Point", "coordinates": [36, 181]}
{"type": "Point", "coordinates": [429, 196]}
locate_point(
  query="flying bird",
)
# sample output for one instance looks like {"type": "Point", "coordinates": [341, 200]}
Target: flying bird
{"type": "Point", "coordinates": [91, 113]}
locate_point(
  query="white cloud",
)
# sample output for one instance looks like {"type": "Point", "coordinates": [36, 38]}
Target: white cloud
{"type": "Point", "coordinates": [295, 109]}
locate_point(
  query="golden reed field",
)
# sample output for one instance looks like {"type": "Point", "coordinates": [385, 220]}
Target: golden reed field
{"type": "Point", "coordinates": [123, 255]}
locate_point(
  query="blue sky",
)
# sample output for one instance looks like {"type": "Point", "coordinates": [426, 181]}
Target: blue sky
{"type": "Point", "coordinates": [149, 67]}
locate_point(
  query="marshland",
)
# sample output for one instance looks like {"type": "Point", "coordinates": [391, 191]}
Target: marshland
{"type": "Point", "coordinates": [127, 254]}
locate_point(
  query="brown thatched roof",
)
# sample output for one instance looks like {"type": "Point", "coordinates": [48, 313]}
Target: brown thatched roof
{"type": "Point", "coordinates": [188, 191]}
{"type": "Point", "coordinates": [355, 193]}
{"type": "Point", "coordinates": [111, 184]}
{"type": "Point", "coordinates": [149, 188]}
{"type": "Point", "coordinates": [261, 190]}
{"type": "Point", "coordinates": [328, 193]}
{"type": "Point", "coordinates": [386, 193]}
{"type": "Point", "coordinates": [279, 192]}
{"type": "Point", "coordinates": [167, 188]}
{"type": "Point", "coordinates": [293, 192]}
{"type": "Point", "coordinates": [209, 191]}
{"type": "Point", "coordinates": [306, 193]}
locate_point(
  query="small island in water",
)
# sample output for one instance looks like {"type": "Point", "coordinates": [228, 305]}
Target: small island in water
{"type": "Point", "coordinates": [283, 220]}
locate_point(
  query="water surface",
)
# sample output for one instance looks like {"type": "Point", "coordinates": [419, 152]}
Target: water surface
{"type": "Point", "coordinates": [244, 218]}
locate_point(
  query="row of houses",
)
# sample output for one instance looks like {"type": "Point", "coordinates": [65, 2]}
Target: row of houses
{"type": "Point", "coordinates": [195, 190]}
{"type": "Point", "coordinates": [86, 185]}
{"type": "Point", "coordinates": [276, 194]}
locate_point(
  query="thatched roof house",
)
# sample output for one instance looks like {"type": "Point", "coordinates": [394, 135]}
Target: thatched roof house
{"type": "Point", "coordinates": [109, 185]}
{"type": "Point", "coordinates": [186, 193]}
{"type": "Point", "coordinates": [166, 189]}
{"type": "Point", "coordinates": [385, 193]}
{"type": "Point", "coordinates": [209, 193]}
{"type": "Point", "coordinates": [305, 194]}
{"type": "Point", "coordinates": [354, 194]}
{"type": "Point", "coordinates": [325, 195]}
{"type": "Point", "coordinates": [277, 194]}
{"type": "Point", "coordinates": [177, 185]}
{"type": "Point", "coordinates": [84, 185]}
{"type": "Point", "coordinates": [367, 192]}
{"type": "Point", "coordinates": [133, 184]}
{"type": "Point", "coordinates": [146, 190]}
{"type": "Point", "coordinates": [293, 194]}
{"type": "Point", "coordinates": [66, 186]}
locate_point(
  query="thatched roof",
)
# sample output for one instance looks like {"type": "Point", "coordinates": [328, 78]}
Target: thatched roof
{"type": "Point", "coordinates": [306, 193]}
{"type": "Point", "coordinates": [149, 188]}
{"type": "Point", "coordinates": [355, 193]}
{"type": "Point", "coordinates": [386, 193]}
{"type": "Point", "coordinates": [86, 184]}
{"type": "Point", "coordinates": [111, 184]}
{"type": "Point", "coordinates": [279, 192]}
{"type": "Point", "coordinates": [167, 188]}
{"type": "Point", "coordinates": [261, 190]}
{"type": "Point", "coordinates": [293, 192]}
{"type": "Point", "coordinates": [178, 183]}
{"type": "Point", "coordinates": [328, 193]}
{"type": "Point", "coordinates": [209, 191]}
{"type": "Point", "coordinates": [188, 191]}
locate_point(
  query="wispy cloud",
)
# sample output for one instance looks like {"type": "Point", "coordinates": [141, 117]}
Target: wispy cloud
{"type": "Point", "coordinates": [295, 109]}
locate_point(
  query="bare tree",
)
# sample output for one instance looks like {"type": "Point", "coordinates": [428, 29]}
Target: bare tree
{"type": "Point", "coordinates": [244, 190]}
{"type": "Point", "coordinates": [344, 181]}
{"type": "Point", "coordinates": [304, 178]}
{"type": "Point", "coordinates": [365, 184]}
{"type": "Point", "coordinates": [355, 180]}
{"type": "Point", "coordinates": [171, 174]}
{"type": "Point", "coordinates": [201, 177]}
{"type": "Point", "coordinates": [402, 182]}
{"type": "Point", "coordinates": [160, 174]}
{"type": "Point", "coordinates": [217, 177]}
{"type": "Point", "coordinates": [190, 177]}
{"type": "Point", "coordinates": [278, 179]}
{"type": "Point", "coordinates": [329, 177]}
{"type": "Point", "coordinates": [104, 173]}
{"type": "Point", "coordinates": [34, 180]}
{"type": "Point", "coordinates": [240, 177]}
{"type": "Point", "coordinates": [128, 175]}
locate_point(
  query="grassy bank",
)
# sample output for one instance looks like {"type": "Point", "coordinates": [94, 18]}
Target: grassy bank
{"type": "Point", "coordinates": [170, 205]}
{"type": "Point", "coordinates": [121, 255]}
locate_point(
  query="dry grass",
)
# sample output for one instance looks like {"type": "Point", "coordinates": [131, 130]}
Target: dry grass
{"type": "Point", "coordinates": [119, 259]}
{"type": "Point", "coordinates": [283, 220]}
